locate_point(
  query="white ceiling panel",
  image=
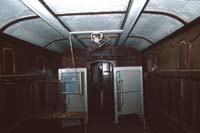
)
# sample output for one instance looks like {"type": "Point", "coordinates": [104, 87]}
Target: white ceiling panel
{"type": "Point", "coordinates": [186, 9]}
{"type": "Point", "coordinates": [35, 31]}
{"type": "Point", "coordinates": [11, 10]}
{"type": "Point", "coordinates": [59, 46]}
{"type": "Point", "coordinates": [137, 43]}
{"type": "Point", "coordinates": [155, 27]}
{"type": "Point", "coordinates": [94, 22]}
{"type": "Point", "coordinates": [95, 15]}
{"type": "Point", "coordinates": [76, 6]}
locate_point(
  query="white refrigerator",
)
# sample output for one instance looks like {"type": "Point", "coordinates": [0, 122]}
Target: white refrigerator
{"type": "Point", "coordinates": [128, 91]}
{"type": "Point", "coordinates": [74, 89]}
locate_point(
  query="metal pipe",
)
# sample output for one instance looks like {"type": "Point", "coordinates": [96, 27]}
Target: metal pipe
{"type": "Point", "coordinates": [72, 52]}
{"type": "Point", "coordinates": [100, 31]}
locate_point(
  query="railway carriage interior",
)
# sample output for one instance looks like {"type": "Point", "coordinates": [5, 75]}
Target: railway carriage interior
{"type": "Point", "coordinates": [93, 66]}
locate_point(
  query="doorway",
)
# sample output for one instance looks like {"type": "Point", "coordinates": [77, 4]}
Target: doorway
{"type": "Point", "coordinates": [101, 90]}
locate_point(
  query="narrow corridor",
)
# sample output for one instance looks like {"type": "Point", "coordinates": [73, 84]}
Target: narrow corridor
{"type": "Point", "coordinates": [97, 124]}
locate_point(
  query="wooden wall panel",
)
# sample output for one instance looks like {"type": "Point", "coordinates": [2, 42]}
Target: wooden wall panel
{"type": "Point", "coordinates": [195, 54]}
{"type": "Point", "coordinates": [173, 98]}
{"type": "Point", "coordinates": [172, 87]}
{"type": "Point", "coordinates": [122, 57]}
{"type": "Point", "coordinates": [29, 58]}
{"type": "Point", "coordinates": [20, 99]}
{"type": "Point", "coordinates": [1, 61]}
{"type": "Point", "coordinates": [168, 59]}
{"type": "Point", "coordinates": [16, 100]}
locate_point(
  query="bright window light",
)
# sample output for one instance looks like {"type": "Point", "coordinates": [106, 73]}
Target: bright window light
{"type": "Point", "coordinates": [71, 6]}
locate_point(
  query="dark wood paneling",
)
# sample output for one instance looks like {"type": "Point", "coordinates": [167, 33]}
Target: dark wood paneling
{"type": "Point", "coordinates": [21, 66]}
{"type": "Point", "coordinates": [28, 57]}
{"type": "Point", "coordinates": [23, 97]}
{"type": "Point", "coordinates": [122, 57]}
{"type": "Point", "coordinates": [172, 90]}
{"type": "Point", "coordinates": [16, 100]}
{"type": "Point", "coordinates": [174, 99]}
{"type": "Point", "coordinates": [168, 59]}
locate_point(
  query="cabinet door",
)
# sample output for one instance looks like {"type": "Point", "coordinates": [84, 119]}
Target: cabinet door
{"type": "Point", "coordinates": [128, 91]}
{"type": "Point", "coordinates": [75, 103]}
{"type": "Point", "coordinates": [74, 89]}
{"type": "Point", "coordinates": [131, 103]}
{"type": "Point", "coordinates": [71, 82]}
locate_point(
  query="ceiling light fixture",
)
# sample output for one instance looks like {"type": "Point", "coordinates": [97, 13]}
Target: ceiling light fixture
{"type": "Point", "coordinates": [97, 37]}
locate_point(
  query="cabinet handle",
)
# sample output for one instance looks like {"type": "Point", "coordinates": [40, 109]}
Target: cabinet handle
{"type": "Point", "coordinates": [122, 92]}
{"type": "Point", "coordinates": [67, 102]}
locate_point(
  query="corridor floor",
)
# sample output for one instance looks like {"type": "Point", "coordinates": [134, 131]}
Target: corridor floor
{"type": "Point", "coordinates": [97, 124]}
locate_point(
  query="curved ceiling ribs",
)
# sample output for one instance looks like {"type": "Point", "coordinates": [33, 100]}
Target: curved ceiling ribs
{"type": "Point", "coordinates": [143, 38]}
{"type": "Point", "coordinates": [140, 37]}
{"type": "Point", "coordinates": [90, 13]}
{"type": "Point", "coordinates": [46, 45]}
{"type": "Point", "coordinates": [160, 13]}
{"type": "Point", "coordinates": [56, 17]}
{"type": "Point", "coordinates": [125, 18]}
{"type": "Point", "coordinates": [128, 24]}
{"type": "Point", "coordinates": [3, 28]}
{"type": "Point", "coordinates": [126, 15]}
{"type": "Point", "coordinates": [166, 14]}
{"type": "Point", "coordinates": [39, 8]}
{"type": "Point", "coordinates": [133, 15]}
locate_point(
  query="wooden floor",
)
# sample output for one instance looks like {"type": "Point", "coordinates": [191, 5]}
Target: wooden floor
{"type": "Point", "coordinates": [97, 124]}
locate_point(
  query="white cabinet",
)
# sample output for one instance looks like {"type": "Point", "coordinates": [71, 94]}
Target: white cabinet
{"type": "Point", "coordinates": [128, 91]}
{"type": "Point", "coordinates": [74, 89]}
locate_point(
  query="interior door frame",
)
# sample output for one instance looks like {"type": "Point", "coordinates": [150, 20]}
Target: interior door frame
{"type": "Point", "coordinates": [115, 69]}
{"type": "Point", "coordinates": [89, 67]}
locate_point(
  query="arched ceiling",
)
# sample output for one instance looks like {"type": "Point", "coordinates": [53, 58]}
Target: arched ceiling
{"type": "Point", "coordinates": [48, 23]}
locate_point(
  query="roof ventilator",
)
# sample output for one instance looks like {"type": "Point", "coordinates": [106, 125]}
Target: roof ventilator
{"type": "Point", "coordinates": [98, 39]}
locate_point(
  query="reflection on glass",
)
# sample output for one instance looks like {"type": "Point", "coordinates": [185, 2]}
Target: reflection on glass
{"type": "Point", "coordinates": [70, 82]}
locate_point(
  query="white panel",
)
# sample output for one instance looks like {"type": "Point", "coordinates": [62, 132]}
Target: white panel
{"type": "Point", "coordinates": [155, 27]}
{"type": "Point", "coordinates": [131, 103]}
{"type": "Point", "coordinates": [94, 22]}
{"type": "Point", "coordinates": [35, 31]}
{"type": "Point", "coordinates": [72, 6]}
{"type": "Point", "coordinates": [38, 7]}
{"type": "Point", "coordinates": [131, 80]}
{"type": "Point", "coordinates": [186, 9]}
{"type": "Point", "coordinates": [137, 43]}
{"type": "Point", "coordinates": [76, 103]}
{"type": "Point", "coordinates": [59, 46]}
{"type": "Point", "coordinates": [129, 98]}
{"type": "Point", "coordinates": [11, 10]}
